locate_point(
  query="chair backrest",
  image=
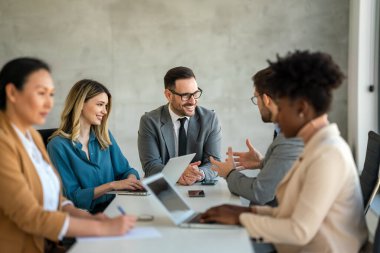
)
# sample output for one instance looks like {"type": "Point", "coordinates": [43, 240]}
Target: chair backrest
{"type": "Point", "coordinates": [46, 133]}
{"type": "Point", "coordinates": [376, 240]}
{"type": "Point", "coordinates": [370, 175]}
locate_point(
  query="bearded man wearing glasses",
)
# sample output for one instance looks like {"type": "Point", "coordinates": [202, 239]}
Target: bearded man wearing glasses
{"type": "Point", "coordinates": [178, 128]}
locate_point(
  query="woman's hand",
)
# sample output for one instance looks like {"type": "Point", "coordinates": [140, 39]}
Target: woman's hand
{"type": "Point", "coordinates": [118, 226]}
{"type": "Point", "coordinates": [130, 183]}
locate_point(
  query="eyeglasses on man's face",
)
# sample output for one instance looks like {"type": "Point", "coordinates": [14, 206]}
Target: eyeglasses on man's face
{"type": "Point", "coordinates": [187, 96]}
{"type": "Point", "coordinates": [254, 100]}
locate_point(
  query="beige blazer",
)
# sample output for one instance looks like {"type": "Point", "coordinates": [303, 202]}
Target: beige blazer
{"type": "Point", "coordinates": [320, 203]}
{"type": "Point", "coordinates": [23, 222]}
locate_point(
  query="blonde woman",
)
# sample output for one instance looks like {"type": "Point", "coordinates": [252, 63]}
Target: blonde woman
{"type": "Point", "coordinates": [31, 206]}
{"type": "Point", "coordinates": [84, 151]}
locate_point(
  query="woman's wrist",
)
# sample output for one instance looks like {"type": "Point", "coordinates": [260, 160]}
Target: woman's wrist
{"type": "Point", "coordinates": [112, 186]}
{"type": "Point", "coordinates": [132, 176]}
{"type": "Point", "coordinates": [76, 212]}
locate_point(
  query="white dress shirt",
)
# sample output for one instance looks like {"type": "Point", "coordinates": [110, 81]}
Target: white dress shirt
{"type": "Point", "coordinates": [49, 180]}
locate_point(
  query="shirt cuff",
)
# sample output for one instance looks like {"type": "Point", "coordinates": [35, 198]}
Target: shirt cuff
{"type": "Point", "coordinates": [229, 173]}
{"type": "Point", "coordinates": [67, 202]}
{"type": "Point", "coordinates": [64, 228]}
{"type": "Point", "coordinates": [203, 175]}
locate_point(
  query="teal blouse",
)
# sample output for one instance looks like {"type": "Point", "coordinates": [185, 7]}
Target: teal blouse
{"type": "Point", "coordinates": [81, 175]}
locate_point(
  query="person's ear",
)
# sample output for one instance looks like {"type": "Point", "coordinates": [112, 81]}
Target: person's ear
{"type": "Point", "coordinates": [10, 92]}
{"type": "Point", "coordinates": [168, 94]}
{"type": "Point", "coordinates": [266, 100]}
{"type": "Point", "coordinates": [303, 108]}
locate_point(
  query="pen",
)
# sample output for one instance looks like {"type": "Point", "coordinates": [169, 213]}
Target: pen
{"type": "Point", "coordinates": [121, 210]}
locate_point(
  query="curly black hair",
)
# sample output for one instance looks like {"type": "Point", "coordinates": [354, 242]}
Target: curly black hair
{"type": "Point", "coordinates": [303, 74]}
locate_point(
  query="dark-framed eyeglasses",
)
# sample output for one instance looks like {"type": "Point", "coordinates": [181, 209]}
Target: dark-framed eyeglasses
{"type": "Point", "coordinates": [254, 100]}
{"type": "Point", "coordinates": [187, 96]}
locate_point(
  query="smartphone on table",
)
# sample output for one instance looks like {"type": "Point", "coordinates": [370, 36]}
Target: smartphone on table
{"type": "Point", "coordinates": [196, 193]}
{"type": "Point", "coordinates": [209, 182]}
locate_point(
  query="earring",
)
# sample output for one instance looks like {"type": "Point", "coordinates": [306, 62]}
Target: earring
{"type": "Point", "coordinates": [300, 115]}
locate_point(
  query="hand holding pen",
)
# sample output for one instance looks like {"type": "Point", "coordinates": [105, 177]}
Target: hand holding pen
{"type": "Point", "coordinates": [143, 217]}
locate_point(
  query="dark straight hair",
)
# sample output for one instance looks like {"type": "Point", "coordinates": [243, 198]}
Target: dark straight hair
{"type": "Point", "coordinates": [260, 82]}
{"type": "Point", "coordinates": [175, 74]}
{"type": "Point", "coordinates": [16, 72]}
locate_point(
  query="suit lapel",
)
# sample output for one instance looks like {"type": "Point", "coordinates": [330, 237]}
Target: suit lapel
{"type": "Point", "coordinates": [167, 131]}
{"type": "Point", "coordinates": [27, 166]}
{"type": "Point", "coordinates": [192, 133]}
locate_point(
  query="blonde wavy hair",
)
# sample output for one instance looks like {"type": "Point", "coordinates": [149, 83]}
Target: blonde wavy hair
{"type": "Point", "coordinates": [79, 94]}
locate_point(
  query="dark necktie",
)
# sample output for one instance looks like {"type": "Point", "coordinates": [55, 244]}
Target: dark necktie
{"type": "Point", "coordinates": [274, 134]}
{"type": "Point", "coordinates": [182, 139]}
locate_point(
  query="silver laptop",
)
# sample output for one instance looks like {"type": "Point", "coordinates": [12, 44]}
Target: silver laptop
{"type": "Point", "coordinates": [176, 166]}
{"type": "Point", "coordinates": [177, 208]}
{"type": "Point", "coordinates": [130, 192]}
{"type": "Point", "coordinates": [172, 171]}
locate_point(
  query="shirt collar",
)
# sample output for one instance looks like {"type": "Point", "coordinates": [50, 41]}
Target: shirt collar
{"type": "Point", "coordinates": [174, 116]}
{"type": "Point", "coordinates": [91, 138]}
{"type": "Point", "coordinates": [26, 138]}
{"type": "Point", "coordinates": [312, 127]}
{"type": "Point", "coordinates": [92, 135]}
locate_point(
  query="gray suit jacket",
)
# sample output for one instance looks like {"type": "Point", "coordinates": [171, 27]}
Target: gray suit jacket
{"type": "Point", "coordinates": [278, 160]}
{"type": "Point", "coordinates": [156, 141]}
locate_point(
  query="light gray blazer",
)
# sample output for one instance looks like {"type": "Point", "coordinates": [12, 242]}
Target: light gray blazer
{"type": "Point", "coordinates": [278, 160]}
{"type": "Point", "coordinates": [156, 141]}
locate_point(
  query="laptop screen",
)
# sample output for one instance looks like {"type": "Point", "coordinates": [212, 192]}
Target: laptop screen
{"type": "Point", "coordinates": [177, 208]}
{"type": "Point", "coordinates": [175, 167]}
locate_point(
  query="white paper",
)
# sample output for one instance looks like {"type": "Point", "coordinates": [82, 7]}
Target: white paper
{"type": "Point", "coordinates": [136, 233]}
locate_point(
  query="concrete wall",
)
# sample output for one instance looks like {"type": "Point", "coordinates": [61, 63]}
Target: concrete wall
{"type": "Point", "coordinates": [363, 67]}
{"type": "Point", "coordinates": [129, 45]}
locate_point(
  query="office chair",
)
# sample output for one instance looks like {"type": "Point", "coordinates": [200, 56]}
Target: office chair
{"type": "Point", "coordinates": [369, 178]}
{"type": "Point", "coordinates": [46, 133]}
{"type": "Point", "coordinates": [376, 240]}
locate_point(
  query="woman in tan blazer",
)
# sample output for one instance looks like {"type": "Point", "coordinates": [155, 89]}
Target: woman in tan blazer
{"type": "Point", "coordinates": [32, 208]}
{"type": "Point", "coordinates": [320, 206]}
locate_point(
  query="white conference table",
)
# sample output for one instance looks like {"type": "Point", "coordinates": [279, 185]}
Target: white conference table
{"type": "Point", "coordinates": [173, 239]}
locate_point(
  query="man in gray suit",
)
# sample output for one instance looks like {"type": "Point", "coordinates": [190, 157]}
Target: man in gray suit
{"type": "Point", "coordinates": [278, 159]}
{"type": "Point", "coordinates": [179, 128]}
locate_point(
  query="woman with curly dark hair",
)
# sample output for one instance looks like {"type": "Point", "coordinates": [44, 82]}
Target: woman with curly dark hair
{"type": "Point", "coordinates": [320, 204]}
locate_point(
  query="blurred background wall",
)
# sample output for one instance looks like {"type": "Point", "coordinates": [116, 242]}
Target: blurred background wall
{"type": "Point", "coordinates": [129, 45]}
